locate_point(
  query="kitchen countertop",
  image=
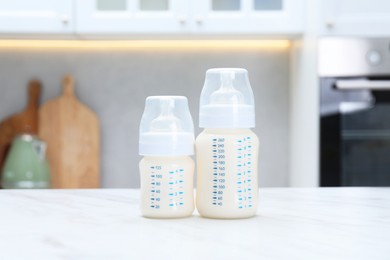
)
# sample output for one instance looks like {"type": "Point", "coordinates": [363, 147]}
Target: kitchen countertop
{"type": "Point", "coordinates": [292, 223]}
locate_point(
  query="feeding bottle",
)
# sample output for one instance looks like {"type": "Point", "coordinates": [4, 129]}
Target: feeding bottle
{"type": "Point", "coordinates": [167, 170]}
{"type": "Point", "coordinates": [227, 149]}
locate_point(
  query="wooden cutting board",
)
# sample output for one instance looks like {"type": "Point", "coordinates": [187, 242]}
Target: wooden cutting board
{"type": "Point", "coordinates": [71, 131]}
{"type": "Point", "coordinates": [25, 122]}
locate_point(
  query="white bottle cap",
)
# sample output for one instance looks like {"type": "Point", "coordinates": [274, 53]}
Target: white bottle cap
{"type": "Point", "coordinates": [227, 100]}
{"type": "Point", "coordinates": [166, 127]}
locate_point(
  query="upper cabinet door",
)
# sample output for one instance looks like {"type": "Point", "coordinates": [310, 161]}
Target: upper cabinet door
{"type": "Point", "coordinates": [120, 17]}
{"type": "Point", "coordinates": [356, 17]}
{"type": "Point", "coordinates": [37, 16]}
{"type": "Point", "coordinates": [249, 16]}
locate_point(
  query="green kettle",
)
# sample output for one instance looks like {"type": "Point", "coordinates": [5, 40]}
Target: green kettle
{"type": "Point", "coordinates": [26, 166]}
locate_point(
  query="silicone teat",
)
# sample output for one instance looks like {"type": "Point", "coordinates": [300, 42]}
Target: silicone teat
{"type": "Point", "coordinates": [227, 94]}
{"type": "Point", "coordinates": [166, 121]}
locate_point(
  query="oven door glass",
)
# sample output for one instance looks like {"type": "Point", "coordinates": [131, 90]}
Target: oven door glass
{"type": "Point", "coordinates": [365, 146]}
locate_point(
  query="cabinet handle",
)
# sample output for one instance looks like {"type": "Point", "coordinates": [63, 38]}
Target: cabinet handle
{"type": "Point", "coordinates": [182, 19]}
{"type": "Point", "coordinates": [329, 24]}
{"type": "Point", "coordinates": [199, 20]}
{"type": "Point", "coordinates": [64, 19]}
{"type": "Point", "coordinates": [363, 84]}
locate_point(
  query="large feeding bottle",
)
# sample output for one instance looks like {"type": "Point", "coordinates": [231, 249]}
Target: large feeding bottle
{"type": "Point", "coordinates": [227, 150]}
{"type": "Point", "coordinates": [167, 170]}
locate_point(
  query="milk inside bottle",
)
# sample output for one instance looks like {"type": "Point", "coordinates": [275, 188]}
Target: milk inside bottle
{"type": "Point", "coordinates": [167, 170]}
{"type": "Point", "coordinates": [227, 150]}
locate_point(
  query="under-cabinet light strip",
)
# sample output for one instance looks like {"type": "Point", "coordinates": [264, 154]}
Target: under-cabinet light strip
{"type": "Point", "coordinates": [142, 44]}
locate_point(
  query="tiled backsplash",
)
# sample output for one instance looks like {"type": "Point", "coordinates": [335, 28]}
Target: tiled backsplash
{"type": "Point", "coordinates": [115, 84]}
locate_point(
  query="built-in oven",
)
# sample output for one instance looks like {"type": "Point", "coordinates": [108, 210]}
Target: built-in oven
{"type": "Point", "coordinates": [354, 111]}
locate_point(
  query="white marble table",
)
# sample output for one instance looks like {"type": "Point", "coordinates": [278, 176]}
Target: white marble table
{"type": "Point", "coordinates": [337, 223]}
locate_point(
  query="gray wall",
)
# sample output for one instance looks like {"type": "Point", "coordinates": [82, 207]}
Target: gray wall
{"type": "Point", "coordinates": [115, 84]}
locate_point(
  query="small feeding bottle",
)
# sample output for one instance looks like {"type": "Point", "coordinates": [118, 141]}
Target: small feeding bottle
{"type": "Point", "coordinates": [167, 170]}
{"type": "Point", "coordinates": [227, 150]}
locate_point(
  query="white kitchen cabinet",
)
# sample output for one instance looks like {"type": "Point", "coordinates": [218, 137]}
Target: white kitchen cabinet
{"type": "Point", "coordinates": [356, 17]}
{"type": "Point", "coordinates": [135, 17]}
{"type": "Point", "coordinates": [120, 17]}
{"type": "Point", "coordinates": [249, 16]}
{"type": "Point", "coordinates": [36, 17]}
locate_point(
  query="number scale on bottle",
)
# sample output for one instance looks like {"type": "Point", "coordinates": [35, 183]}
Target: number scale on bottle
{"type": "Point", "coordinates": [175, 187]}
{"type": "Point", "coordinates": [155, 184]}
{"type": "Point", "coordinates": [176, 191]}
{"type": "Point", "coordinates": [219, 164]}
{"type": "Point", "coordinates": [244, 172]}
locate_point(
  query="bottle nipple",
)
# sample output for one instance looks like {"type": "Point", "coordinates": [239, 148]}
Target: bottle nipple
{"type": "Point", "coordinates": [166, 121]}
{"type": "Point", "coordinates": [227, 94]}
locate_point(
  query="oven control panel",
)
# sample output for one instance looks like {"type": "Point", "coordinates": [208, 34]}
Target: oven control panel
{"type": "Point", "coordinates": [349, 57]}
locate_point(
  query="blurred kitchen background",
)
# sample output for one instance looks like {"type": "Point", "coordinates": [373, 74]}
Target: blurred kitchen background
{"type": "Point", "coordinates": [115, 83]}
{"type": "Point", "coordinates": [121, 51]}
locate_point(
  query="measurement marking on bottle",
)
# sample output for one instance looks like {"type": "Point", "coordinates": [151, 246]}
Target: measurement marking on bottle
{"type": "Point", "coordinates": [244, 173]}
{"type": "Point", "coordinates": [175, 187]}
{"type": "Point", "coordinates": [219, 173]}
{"type": "Point", "coordinates": [240, 173]}
{"type": "Point", "coordinates": [155, 184]}
{"type": "Point", "coordinates": [171, 190]}
{"type": "Point", "coordinates": [180, 190]}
